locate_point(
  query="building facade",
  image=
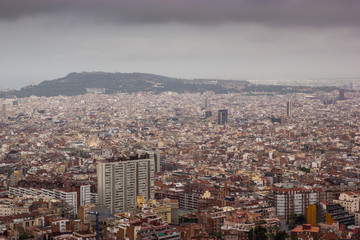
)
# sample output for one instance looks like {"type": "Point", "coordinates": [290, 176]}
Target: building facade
{"type": "Point", "coordinates": [334, 212]}
{"type": "Point", "coordinates": [305, 232]}
{"type": "Point", "coordinates": [154, 154]}
{"type": "Point", "coordinates": [222, 116]}
{"type": "Point", "coordinates": [291, 201]}
{"type": "Point", "coordinates": [121, 180]}
{"type": "Point", "coordinates": [350, 201]}
{"type": "Point", "coordinates": [289, 109]}
{"type": "Point", "coordinates": [342, 94]}
{"type": "Point", "coordinates": [79, 197]}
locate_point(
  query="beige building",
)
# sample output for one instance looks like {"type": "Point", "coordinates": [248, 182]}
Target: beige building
{"type": "Point", "coordinates": [357, 218]}
{"type": "Point", "coordinates": [350, 201]}
{"type": "Point", "coordinates": [12, 209]}
{"type": "Point", "coordinates": [83, 215]}
{"type": "Point", "coordinates": [24, 220]}
{"type": "Point", "coordinates": [167, 209]}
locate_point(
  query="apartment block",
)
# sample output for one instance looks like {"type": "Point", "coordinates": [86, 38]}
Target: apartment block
{"type": "Point", "coordinates": [73, 198]}
{"type": "Point", "coordinates": [350, 201]}
{"type": "Point", "coordinates": [121, 180]}
{"type": "Point", "coordinates": [289, 201]}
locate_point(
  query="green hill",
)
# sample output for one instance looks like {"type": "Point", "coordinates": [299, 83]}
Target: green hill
{"type": "Point", "coordinates": [78, 83]}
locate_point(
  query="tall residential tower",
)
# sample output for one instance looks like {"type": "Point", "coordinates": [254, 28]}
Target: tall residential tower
{"type": "Point", "coordinates": [122, 179]}
{"type": "Point", "coordinates": [222, 116]}
{"type": "Point", "coordinates": [289, 109]}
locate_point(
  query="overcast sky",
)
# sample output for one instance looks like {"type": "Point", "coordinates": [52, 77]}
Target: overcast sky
{"type": "Point", "coordinates": [228, 39]}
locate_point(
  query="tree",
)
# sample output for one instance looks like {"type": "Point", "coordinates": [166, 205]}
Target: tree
{"type": "Point", "coordinates": [276, 234]}
{"type": "Point", "coordinates": [260, 233]}
{"type": "Point", "coordinates": [300, 219]}
{"type": "Point", "coordinates": [280, 235]}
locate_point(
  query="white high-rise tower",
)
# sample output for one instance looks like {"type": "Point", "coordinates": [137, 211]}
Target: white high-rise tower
{"type": "Point", "coordinates": [121, 180]}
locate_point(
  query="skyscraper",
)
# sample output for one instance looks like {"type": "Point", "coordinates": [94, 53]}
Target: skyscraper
{"type": "Point", "coordinates": [3, 110]}
{"type": "Point", "coordinates": [289, 107]}
{"type": "Point", "coordinates": [207, 104]}
{"type": "Point", "coordinates": [342, 94]}
{"type": "Point", "coordinates": [222, 116]}
{"type": "Point", "coordinates": [208, 114]}
{"type": "Point", "coordinates": [154, 154]}
{"type": "Point", "coordinates": [122, 179]}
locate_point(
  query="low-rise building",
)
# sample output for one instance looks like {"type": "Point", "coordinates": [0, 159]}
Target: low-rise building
{"type": "Point", "coordinates": [305, 232]}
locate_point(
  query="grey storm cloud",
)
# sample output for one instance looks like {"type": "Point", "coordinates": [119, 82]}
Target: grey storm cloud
{"type": "Point", "coordinates": [313, 13]}
{"type": "Point", "coordinates": [237, 39]}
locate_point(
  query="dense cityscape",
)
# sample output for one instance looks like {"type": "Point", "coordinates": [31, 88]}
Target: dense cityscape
{"type": "Point", "coordinates": [179, 120]}
{"type": "Point", "coordinates": [181, 166]}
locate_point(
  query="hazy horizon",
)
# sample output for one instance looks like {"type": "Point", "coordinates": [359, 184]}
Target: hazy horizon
{"type": "Point", "coordinates": [228, 39]}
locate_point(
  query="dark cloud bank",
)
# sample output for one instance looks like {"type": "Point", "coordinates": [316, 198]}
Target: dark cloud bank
{"type": "Point", "coordinates": [322, 13]}
{"type": "Point", "coordinates": [228, 39]}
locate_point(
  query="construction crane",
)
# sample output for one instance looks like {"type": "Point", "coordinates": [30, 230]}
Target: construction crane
{"type": "Point", "coordinates": [97, 214]}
